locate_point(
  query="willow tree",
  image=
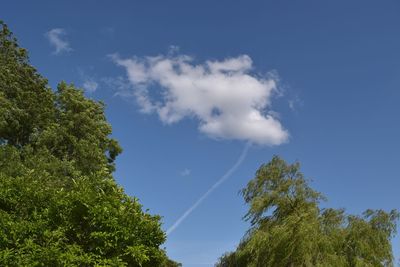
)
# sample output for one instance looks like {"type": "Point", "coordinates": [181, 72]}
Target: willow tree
{"type": "Point", "coordinates": [288, 227]}
{"type": "Point", "coordinates": [59, 202]}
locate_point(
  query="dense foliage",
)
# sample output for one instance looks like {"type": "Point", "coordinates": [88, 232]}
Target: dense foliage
{"type": "Point", "coordinates": [288, 228]}
{"type": "Point", "coordinates": [59, 203]}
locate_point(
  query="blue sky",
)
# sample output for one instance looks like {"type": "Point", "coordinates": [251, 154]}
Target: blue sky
{"type": "Point", "coordinates": [326, 83]}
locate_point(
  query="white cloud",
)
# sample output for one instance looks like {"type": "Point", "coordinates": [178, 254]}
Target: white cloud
{"type": "Point", "coordinates": [227, 99]}
{"type": "Point", "coordinates": [90, 85]}
{"type": "Point", "coordinates": [56, 39]}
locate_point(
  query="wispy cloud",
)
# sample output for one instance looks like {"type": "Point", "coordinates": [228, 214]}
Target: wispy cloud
{"type": "Point", "coordinates": [295, 102]}
{"type": "Point", "coordinates": [57, 39]}
{"type": "Point", "coordinates": [108, 31]}
{"type": "Point", "coordinates": [186, 172]}
{"type": "Point", "coordinates": [90, 85]}
{"type": "Point", "coordinates": [211, 189]}
{"type": "Point", "coordinates": [228, 100]}
{"type": "Point", "coordinates": [120, 85]}
{"type": "Point", "coordinates": [89, 82]}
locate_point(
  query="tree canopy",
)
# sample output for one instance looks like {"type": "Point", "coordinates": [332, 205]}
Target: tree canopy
{"type": "Point", "coordinates": [288, 227]}
{"type": "Point", "coordinates": [59, 202]}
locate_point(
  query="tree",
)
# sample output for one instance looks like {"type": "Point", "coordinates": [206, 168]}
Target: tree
{"type": "Point", "coordinates": [288, 228]}
{"type": "Point", "coordinates": [59, 202]}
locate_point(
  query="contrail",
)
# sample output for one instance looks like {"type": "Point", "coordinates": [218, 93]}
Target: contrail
{"type": "Point", "coordinates": [212, 188]}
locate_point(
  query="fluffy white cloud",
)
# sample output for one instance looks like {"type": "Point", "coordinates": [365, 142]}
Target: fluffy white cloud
{"type": "Point", "coordinates": [227, 99]}
{"type": "Point", "coordinates": [56, 39]}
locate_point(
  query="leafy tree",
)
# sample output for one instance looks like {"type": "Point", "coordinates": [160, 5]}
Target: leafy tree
{"type": "Point", "coordinates": [59, 203]}
{"type": "Point", "coordinates": [26, 102]}
{"type": "Point", "coordinates": [288, 228]}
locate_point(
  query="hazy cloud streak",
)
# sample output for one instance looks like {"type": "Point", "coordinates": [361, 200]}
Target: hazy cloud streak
{"type": "Point", "coordinates": [212, 188]}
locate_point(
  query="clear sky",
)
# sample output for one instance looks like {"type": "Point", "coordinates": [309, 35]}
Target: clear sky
{"type": "Point", "coordinates": [188, 84]}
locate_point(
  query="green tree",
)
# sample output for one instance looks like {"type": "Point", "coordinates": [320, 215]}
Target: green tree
{"type": "Point", "coordinates": [59, 203]}
{"type": "Point", "coordinates": [288, 228]}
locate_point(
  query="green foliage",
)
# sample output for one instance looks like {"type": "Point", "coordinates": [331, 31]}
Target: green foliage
{"type": "Point", "coordinates": [26, 103]}
{"type": "Point", "coordinates": [59, 203]}
{"type": "Point", "coordinates": [65, 123]}
{"type": "Point", "coordinates": [288, 228]}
